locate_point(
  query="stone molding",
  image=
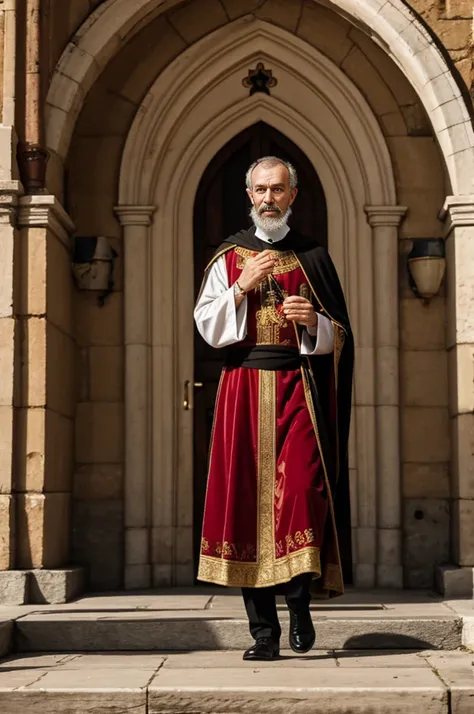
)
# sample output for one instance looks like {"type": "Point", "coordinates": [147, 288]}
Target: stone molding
{"type": "Point", "coordinates": [396, 27]}
{"type": "Point", "coordinates": [385, 215]}
{"type": "Point", "coordinates": [45, 211]}
{"type": "Point", "coordinates": [10, 191]}
{"type": "Point", "coordinates": [457, 211]}
{"type": "Point", "coordinates": [135, 215]}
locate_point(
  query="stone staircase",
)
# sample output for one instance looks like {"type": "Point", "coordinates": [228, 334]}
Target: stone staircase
{"type": "Point", "coordinates": [179, 652]}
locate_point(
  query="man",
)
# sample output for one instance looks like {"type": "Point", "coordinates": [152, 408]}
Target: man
{"type": "Point", "coordinates": [279, 442]}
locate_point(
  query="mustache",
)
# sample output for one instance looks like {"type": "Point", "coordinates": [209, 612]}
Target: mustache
{"type": "Point", "coordinates": [269, 207]}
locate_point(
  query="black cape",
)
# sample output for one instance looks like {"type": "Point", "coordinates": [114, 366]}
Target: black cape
{"type": "Point", "coordinates": [329, 300]}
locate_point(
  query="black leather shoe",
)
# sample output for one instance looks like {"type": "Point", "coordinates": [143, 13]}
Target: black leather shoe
{"type": "Point", "coordinates": [264, 649]}
{"type": "Point", "coordinates": [302, 634]}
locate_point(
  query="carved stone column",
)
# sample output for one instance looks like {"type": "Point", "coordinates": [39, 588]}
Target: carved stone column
{"type": "Point", "coordinates": [136, 221]}
{"type": "Point", "coordinates": [385, 221]}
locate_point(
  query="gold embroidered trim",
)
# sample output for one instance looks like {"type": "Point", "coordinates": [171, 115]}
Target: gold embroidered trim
{"type": "Point", "coordinates": [266, 471]}
{"type": "Point", "coordinates": [286, 260]}
{"type": "Point", "coordinates": [252, 575]}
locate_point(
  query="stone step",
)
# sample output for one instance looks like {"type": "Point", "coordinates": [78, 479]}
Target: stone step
{"type": "Point", "coordinates": [173, 630]}
{"type": "Point", "coordinates": [221, 683]}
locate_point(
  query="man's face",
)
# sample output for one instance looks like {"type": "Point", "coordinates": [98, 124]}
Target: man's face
{"type": "Point", "coordinates": [271, 194]}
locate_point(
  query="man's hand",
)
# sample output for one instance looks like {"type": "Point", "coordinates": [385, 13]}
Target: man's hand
{"type": "Point", "coordinates": [256, 269]}
{"type": "Point", "coordinates": [300, 310]}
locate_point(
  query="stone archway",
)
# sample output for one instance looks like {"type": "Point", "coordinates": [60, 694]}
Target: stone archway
{"type": "Point", "coordinates": [394, 25]}
{"type": "Point", "coordinates": [187, 116]}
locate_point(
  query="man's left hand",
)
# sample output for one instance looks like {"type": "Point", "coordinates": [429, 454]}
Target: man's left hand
{"type": "Point", "coordinates": [300, 310]}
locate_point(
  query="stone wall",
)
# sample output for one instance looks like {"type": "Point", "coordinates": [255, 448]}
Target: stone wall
{"type": "Point", "coordinates": [93, 168]}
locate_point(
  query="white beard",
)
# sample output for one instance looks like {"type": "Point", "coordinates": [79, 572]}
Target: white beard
{"type": "Point", "coordinates": [270, 224]}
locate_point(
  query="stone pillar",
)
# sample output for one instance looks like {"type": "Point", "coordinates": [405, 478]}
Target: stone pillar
{"type": "Point", "coordinates": [12, 585]}
{"type": "Point", "coordinates": [45, 400]}
{"type": "Point", "coordinates": [136, 221]}
{"type": "Point", "coordinates": [384, 221]}
{"type": "Point", "coordinates": [456, 580]}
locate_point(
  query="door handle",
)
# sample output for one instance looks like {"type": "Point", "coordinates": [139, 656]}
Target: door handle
{"type": "Point", "coordinates": [186, 398]}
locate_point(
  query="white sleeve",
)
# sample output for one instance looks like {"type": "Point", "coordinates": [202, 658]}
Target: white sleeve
{"type": "Point", "coordinates": [324, 333]}
{"type": "Point", "coordinates": [217, 319]}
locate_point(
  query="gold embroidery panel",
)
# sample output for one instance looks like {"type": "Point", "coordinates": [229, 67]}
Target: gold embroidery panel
{"type": "Point", "coordinates": [286, 259]}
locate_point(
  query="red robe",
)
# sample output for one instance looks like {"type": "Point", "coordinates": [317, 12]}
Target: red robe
{"type": "Point", "coordinates": [269, 512]}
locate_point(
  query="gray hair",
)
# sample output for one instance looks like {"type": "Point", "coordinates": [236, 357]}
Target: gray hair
{"type": "Point", "coordinates": [270, 161]}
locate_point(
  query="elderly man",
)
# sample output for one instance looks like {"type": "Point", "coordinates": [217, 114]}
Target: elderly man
{"type": "Point", "coordinates": [279, 442]}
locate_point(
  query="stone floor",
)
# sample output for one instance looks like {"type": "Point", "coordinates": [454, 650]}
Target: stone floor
{"type": "Point", "coordinates": [329, 681]}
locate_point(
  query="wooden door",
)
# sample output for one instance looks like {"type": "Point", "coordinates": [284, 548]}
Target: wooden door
{"type": "Point", "coordinates": [222, 208]}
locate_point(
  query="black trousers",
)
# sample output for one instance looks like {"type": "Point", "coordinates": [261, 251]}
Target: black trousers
{"type": "Point", "coordinates": [260, 604]}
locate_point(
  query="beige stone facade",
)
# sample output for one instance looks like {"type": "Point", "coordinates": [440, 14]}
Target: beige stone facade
{"type": "Point", "coordinates": [136, 97]}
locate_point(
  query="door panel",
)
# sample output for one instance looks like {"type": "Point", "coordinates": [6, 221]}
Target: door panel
{"type": "Point", "coordinates": [222, 209]}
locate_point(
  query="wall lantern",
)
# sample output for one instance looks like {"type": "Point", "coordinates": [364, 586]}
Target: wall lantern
{"type": "Point", "coordinates": [93, 265]}
{"type": "Point", "coordinates": [426, 267]}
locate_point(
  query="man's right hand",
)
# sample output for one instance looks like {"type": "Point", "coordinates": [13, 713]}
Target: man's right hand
{"type": "Point", "coordinates": [256, 269]}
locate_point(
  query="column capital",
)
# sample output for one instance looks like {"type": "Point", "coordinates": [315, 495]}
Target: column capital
{"type": "Point", "coordinates": [457, 211]}
{"type": "Point", "coordinates": [385, 215]}
{"type": "Point", "coordinates": [45, 211]}
{"type": "Point", "coordinates": [135, 215]}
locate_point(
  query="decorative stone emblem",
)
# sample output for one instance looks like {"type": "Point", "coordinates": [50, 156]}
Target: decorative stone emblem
{"type": "Point", "coordinates": [260, 80]}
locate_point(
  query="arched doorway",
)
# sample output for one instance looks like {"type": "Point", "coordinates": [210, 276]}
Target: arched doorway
{"type": "Point", "coordinates": [221, 209]}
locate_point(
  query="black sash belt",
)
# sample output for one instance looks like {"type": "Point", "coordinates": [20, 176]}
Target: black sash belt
{"type": "Point", "coordinates": [271, 357]}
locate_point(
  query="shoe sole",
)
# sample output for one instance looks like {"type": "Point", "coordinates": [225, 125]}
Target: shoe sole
{"type": "Point", "coordinates": [261, 659]}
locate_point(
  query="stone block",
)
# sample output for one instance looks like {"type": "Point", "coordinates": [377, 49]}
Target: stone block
{"type": "Point", "coordinates": [6, 637]}
{"type": "Point", "coordinates": [461, 379]}
{"type": "Point", "coordinates": [33, 366]}
{"type": "Point", "coordinates": [455, 9]}
{"type": "Point", "coordinates": [44, 462]}
{"type": "Point", "coordinates": [7, 531]}
{"type": "Point", "coordinates": [55, 586]}
{"type": "Point", "coordinates": [13, 587]}
{"type": "Point", "coordinates": [453, 582]}
{"type": "Point", "coordinates": [359, 68]}
{"type": "Point", "coordinates": [106, 369]}
{"type": "Point", "coordinates": [193, 21]}
{"type": "Point", "coordinates": [455, 35]}
{"type": "Point", "coordinates": [59, 291]}
{"type": "Point", "coordinates": [98, 482]}
{"type": "Point", "coordinates": [426, 530]}
{"type": "Point", "coordinates": [98, 533]}
{"type": "Point", "coordinates": [137, 577]}
{"type": "Point", "coordinates": [136, 546]}
{"type": "Point", "coordinates": [423, 328]}
{"type": "Point", "coordinates": [392, 76]}
{"type": "Point", "coordinates": [424, 378]}
{"type": "Point", "coordinates": [326, 31]}
{"type": "Point", "coordinates": [460, 262]}
{"type": "Point", "coordinates": [463, 532]}
{"type": "Point", "coordinates": [43, 522]}
{"type": "Point", "coordinates": [237, 8]}
{"type": "Point", "coordinates": [99, 433]}
{"type": "Point", "coordinates": [462, 440]}
{"type": "Point", "coordinates": [34, 271]}
{"type": "Point", "coordinates": [280, 12]}
{"type": "Point", "coordinates": [99, 326]}
{"type": "Point", "coordinates": [60, 371]}
{"type": "Point", "coordinates": [426, 480]}
{"type": "Point", "coordinates": [131, 74]}
{"type": "Point", "coordinates": [8, 270]}
{"type": "Point", "coordinates": [7, 330]}
{"type": "Point", "coordinates": [425, 435]}
{"type": "Point", "coordinates": [6, 449]}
